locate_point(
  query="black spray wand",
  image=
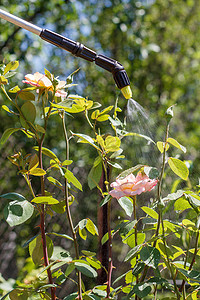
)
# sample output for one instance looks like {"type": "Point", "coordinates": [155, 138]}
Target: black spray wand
{"type": "Point", "coordinates": [119, 74]}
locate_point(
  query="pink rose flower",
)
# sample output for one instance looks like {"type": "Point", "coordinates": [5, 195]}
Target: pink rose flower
{"type": "Point", "coordinates": [42, 81]}
{"type": "Point", "coordinates": [131, 185]}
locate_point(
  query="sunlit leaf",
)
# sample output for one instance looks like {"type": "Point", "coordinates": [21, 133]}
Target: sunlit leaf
{"type": "Point", "coordinates": [36, 249]}
{"type": "Point", "coordinates": [45, 200]}
{"type": "Point", "coordinates": [47, 152]}
{"type": "Point", "coordinates": [112, 143]}
{"type": "Point", "coordinates": [72, 179]}
{"type": "Point", "coordinates": [129, 171]}
{"type": "Point", "coordinates": [11, 66]}
{"type": "Point", "coordinates": [37, 172]}
{"type": "Point", "coordinates": [150, 256]}
{"type": "Point", "coordinates": [17, 212]}
{"type": "Point", "coordinates": [176, 144]}
{"type": "Point", "coordinates": [91, 227]}
{"type": "Point", "coordinates": [133, 252]}
{"type": "Point", "coordinates": [161, 145]}
{"type": "Point", "coordinates": [152, 213]}
{"type": "Point", "coordinates": [126, 204]}
{"type": "Point", "coordinates": [85, 269]}
{"type": "Point", "coordinates": [178, 167]}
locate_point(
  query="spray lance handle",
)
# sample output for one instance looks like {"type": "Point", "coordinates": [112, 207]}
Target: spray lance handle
{"type": "Point", "coordinates": [120, 76]}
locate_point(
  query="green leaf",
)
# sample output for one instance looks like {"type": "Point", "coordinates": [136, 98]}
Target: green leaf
{"type": "Point", "coordinates": [7, 133]}
{"type": "Point", "coordinates": [36, 249]}
{"type": "Point", "coordinates": [133, 252]}
{"type": "Point", "coordinates": [174, 196]}
{"type": "Point", "coordinates": [60, 207]}
{"type": "Point", "coordinates": [18, 212]}
{"type": "Point", "coordinates": [27, 96]}
{"type": "Point", "coordinates": [72, 179]}
{"type": "Point", "coordinates": [11, 66]}
{"type": "Point", "coordinates": [126, 204]}
{"type": "Point", "coordinates": [69, 269]}
{"type": "Point", "coordinates": [152, 213]}
{"type": "Point", "coordinates": [13, 196]}
{"type": "Point", "coordinates": [72, 296]}
{"type": "Point", "coordinates": [129, 171]}
{"type": "Point", "coordinates": [178, 167]}
{"type": "Point", "coordinates": [29, 112]}
{"type": "Point", "coordinates": [138, 135]}
{"type": "Point", "coordinates": [88, 253]}
{"type": "Point", "coordinates": [19, 294]}
{"type": "Point", "coordinates": [45, 200]}
{"type": "Point", "coordinates": [86, 269]}
{"type": "Point", "coordinates": [193, 199]}
{"type": "Point", "coordinates": [94, 176]}
{"type": "Point", "coordinates": [40, 128]}
{"type": "Point", "coordinates": [142, 289]}
{"type": "Point", "coordinates": [150, 256]}
{"type": "Point", "coordinates": [192, 275]}
{"type": "Point", "coordinates": [151, 172]}
{"type": "Point", "coordinates": [86, 139]}
{"type": "Point", "coordinates": [176, 144]}
{"type": "Point", "coordinates": [105, 200]}
{"type": "Point", "coordinates": [65, 236]}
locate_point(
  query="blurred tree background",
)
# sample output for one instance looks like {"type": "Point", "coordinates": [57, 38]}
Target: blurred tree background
{"type": "Point", "coordinates": [158, 44]}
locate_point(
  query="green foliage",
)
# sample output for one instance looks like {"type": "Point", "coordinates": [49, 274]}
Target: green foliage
{"type": "Point", "coordinates": [149, 237]}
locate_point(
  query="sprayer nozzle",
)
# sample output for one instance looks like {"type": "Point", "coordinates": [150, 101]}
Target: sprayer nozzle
{"type": "Point", "coordinates": [126, 91]}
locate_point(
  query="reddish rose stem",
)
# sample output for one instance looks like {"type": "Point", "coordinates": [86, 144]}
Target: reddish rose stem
{"type": "Point", "coordinates": [42, 226]}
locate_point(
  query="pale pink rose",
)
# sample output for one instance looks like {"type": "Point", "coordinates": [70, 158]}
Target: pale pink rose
{"type": "Point", "coordinates": [131, 185]}
{"type": "Point", "coordinates": [40, 80]}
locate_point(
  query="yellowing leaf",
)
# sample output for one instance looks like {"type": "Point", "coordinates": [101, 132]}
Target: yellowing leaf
{"type": "Point", "coordinates": [34, 162]}
{"type": "Point", "coordinates": [100, 141]}
{"type": "Point", "coordinates": [37, 172]}
{"type": "Point", "coordinates": [95, 114]}
{"type": "Point", "coordinates": [178, 167]}
{"type": "Point", "coordinates": [13, 65]}
{"type": "Point", "coordinates": [6, 108]}
{"type": "Point", "coordinates": [152, 213]}
{"type": "Point", "coordinates": [112, 143]}
{"type": "Point", "coordinates": [3, 80]}
{"type": "Point", "coordinates": [72, 179]}
{"type": "Point", "coordinates": [176, 144]}
{"type": "Point", "coordinates": [15, 89]}
{"type": "Point", "coordinates": [160, 146]}
{"type": "Point", "coordinates": [91, 227]}
{"type": "Point", "coordinates": [45, 200]}
{"type": "Point", "coordinates": [103, 118]}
